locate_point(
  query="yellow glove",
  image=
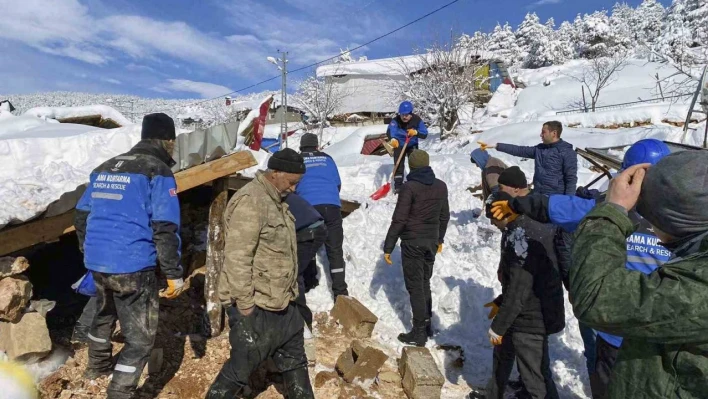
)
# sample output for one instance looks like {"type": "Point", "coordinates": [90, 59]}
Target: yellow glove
{"type": "Point", "coordinates": [440, 248]}
{"type": "Point", "coordinates": [174, 288]}
{"type": "Point", "coordinates": [412, 132]}
{"type": "Point", "coordinates": [387, 258]}
{"type": "Point", "coordinates": [493, 311]}
{"type": "Point", "coordinates": [394, 143]}
{"type": "Point", "coordinates": [485, 146]}
{"type": "Point", "coordinates": [501, 208]}
{"type": "Point", "coordinates": [494, 339]}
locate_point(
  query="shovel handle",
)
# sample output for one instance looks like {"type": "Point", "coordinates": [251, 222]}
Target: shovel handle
{"type": "Point", "coordinates": [400, 157]}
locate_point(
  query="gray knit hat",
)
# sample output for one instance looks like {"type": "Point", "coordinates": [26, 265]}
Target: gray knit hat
{"type": "Point", "coordinates": [674, 195]}
{"type": "Point", "coordinates": [308, 140]}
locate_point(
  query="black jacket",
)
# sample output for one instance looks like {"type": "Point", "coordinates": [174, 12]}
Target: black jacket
{"type": "Point", "coordinates": [422, 210]}
{"type": "Point", "coordinates": [532, 295]}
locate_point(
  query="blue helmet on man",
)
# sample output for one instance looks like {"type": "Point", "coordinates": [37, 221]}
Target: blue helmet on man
{"type": "Point", "coordinates": [645, 151]}
{"type": "Point", "coordinates": [405, 108]}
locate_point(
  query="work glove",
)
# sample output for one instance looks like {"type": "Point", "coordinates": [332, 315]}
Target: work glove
{"type": "Point", "coordinates": [494, 309]}
{"type": "Point", "coordinates": [174, 288]}
{"type": "Point", "coordinates": [440, 246]}
{"type": "Point", "coordinates": [394, 143]}
{"type": "Point", "coordinates": [485, 146]}
{"type": "Point", "coordinates": [387, 258]}
{"type": "Point", "coordinates": [502, 208]}
{"type": "Point", "coordinates": [494, 339]}
{"type": "Point", "coordinates": [412, 132]}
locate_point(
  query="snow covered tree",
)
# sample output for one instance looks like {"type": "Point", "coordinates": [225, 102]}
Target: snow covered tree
{"type": "Point", "coordinates": [697, 18]}
{"type": "Point", "coordinates": [478, 40]}
{"type": "Point", "coordinates": [564, 44]}
{"type": "Point", "coordinates": [440, 82]}
{"type": "Point", "coordinates": [319, 98]}
{"type": "Point", "coordinates": [541, 43]}
{"type": "Point", "coordinates": [599, 73]}
{"type": "Point", "coordinates": [528, 31]}
{"type": "Point", "coordinates": [502, 42]}
{"type": "Point", "coordinates": [623, 22]}
{"type": "Point", "coordinates": [677, 37]}
{"type": "Point", "coordinates": [551, 24]}
{"type": "Point", "coordinates": [649, 18]}
{"type": "Point", "coordinates": [599, 38]}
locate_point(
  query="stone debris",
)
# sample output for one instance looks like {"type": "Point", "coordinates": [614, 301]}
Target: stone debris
{"type": "Point", "coordinates": [27, 340]}
{"type": "Point", "coordinates": [360, 362]}
{"type": "Point", "coordinates": [12, 266]}
{"type": "Point", "coordinates": [421, 377]}
{"type": "Point", "coordinates": [15, 293]}
{"type": "Point", "coordinates": [355, 318]}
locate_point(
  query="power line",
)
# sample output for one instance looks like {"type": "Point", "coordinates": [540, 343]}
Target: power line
{"type": "Point", "coordinates": [325, 60]}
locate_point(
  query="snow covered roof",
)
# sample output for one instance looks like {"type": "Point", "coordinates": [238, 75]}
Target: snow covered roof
{"type": "Point", "coordinates": [385, 66]}
{"type": "Point", "coordinates": [58, 113]}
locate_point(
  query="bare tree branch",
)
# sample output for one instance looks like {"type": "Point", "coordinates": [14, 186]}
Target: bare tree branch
{"type": "Point", "coordinates": [600, 73]}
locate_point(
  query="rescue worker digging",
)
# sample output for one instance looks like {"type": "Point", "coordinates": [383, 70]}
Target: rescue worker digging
{"type": "Point", "coordinates": [420, 221]}
{"type": "Point", "coordinates": [127, 222]}
{"type": "Point", "coordinates": [258, 282]}
{"type": "Point", "coordinates": [405, 125]}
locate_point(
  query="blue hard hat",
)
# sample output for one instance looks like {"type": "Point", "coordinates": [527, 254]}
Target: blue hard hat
{"type": "Point", "coordinates": [645, 151]}
{"type": "Point", "coordinates": [405, 108]}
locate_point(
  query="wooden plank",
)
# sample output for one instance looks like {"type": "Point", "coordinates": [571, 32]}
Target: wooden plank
{"type": "Point", "coordinates": [213, 170]}
{"type": "Point", "coordinates": [215, 257]}
{"type": "Point", "coordinates": [47, 229]}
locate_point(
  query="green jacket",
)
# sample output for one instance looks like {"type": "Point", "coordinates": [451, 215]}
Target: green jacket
{"type": "Point", "coordinates": [663, 316]}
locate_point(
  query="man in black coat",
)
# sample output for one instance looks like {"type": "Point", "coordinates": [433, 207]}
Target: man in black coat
{"type": "Point", "coordinates": [420, 221]}
{"type": "Point", "coordinates": [530, 307]}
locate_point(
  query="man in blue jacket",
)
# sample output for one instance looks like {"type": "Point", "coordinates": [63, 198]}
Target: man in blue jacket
{"type": "Point", "coordinates": [311, 233]}
{"type": "Point", "coordinates": [406, 124]}
{"type": "Point", "coordinates": [127, 222]}
{"type": "Point", "coordinates": [320, 187]}
{"type": "Point", "coordinates": [644, 253]}
{"type": "Point", "coordinates": [556, 169]}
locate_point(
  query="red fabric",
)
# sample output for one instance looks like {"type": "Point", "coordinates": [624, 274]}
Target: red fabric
{"type": "Point", "coordinates": [370, 146]}
{"type": "Point", "coordinates": [259, 125]}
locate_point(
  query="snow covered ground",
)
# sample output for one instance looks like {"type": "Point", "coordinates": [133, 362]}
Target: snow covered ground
{"type": "Point", "coordinates": [41, 160]}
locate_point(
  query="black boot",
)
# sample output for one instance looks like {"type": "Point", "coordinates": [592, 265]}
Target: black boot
{"type": "Point", "coordinates": [429, 328]}
{"type": "Point", "coordinates": [297, 384]}
{"type": "Point", "coordinates": [417, 336]}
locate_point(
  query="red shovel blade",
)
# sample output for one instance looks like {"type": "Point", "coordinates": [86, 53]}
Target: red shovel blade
{"type": "Point", "coordinates": [382, 192]}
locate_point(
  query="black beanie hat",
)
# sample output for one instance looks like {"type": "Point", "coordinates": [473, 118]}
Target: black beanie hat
{"type": "Point", "coordinates": [158, 126]}
{"type": "Point", "coordinates": [494, 197]}
{"type": "Point", "coordinates": [513, 177]}
{"type": "Point", "coordinates": [308, 140]}
{"type": "Point", "coordinates": [287, 160]}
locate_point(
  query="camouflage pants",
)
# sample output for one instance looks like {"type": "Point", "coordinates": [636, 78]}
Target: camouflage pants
{"type": "Point", "coordinates": [133, 299]}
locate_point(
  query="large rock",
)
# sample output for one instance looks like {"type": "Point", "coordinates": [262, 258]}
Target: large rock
{"type": "Point", "coordinates": [27, 340]}
{"type": "Point", "coordinates": [360, 362]}
{"type": "Point", "coordinates": [355, 318]}
{"type": "Point", "coordinates": [421, 377]}
{"type": "Point", "coordinates": [12, 266]}
{"type": "Point", "coordinates": [15, 293]}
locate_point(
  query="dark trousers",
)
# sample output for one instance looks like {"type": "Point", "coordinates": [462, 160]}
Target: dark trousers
{"type": "Point", "coordinates": [333, 244]}
{"type": "Point", "coordinates": [309, 241]}
{"type": "Point", "coordinates": [418, 257]}
{"type": "Point", "coordinates": [563, 241]}
{"type": "Point", "coordinates": [589, 337]}
{"type": "Point", "coordinates": [255, 338]}
{"type": "Point", "coordinates": [605, 359]}
{"type": "Point", "coordinates": [531, 353]}
{"type": "Point", "coordinates": [398, 176]}
{"type": "Point", "coordinates": [133, 299]}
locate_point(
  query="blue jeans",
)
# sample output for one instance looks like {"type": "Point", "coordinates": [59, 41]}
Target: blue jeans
{"type": "Point", "coordinates": [589, 336]}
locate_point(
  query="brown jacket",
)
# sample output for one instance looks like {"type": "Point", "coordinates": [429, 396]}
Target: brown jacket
{"type": "Point", "coordinates": [490, 175]}
{"type": "Point", "coordinates": [260, 252]}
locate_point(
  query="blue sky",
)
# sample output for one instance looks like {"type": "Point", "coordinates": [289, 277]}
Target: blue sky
{"type": "Point", "coordinates": [205, 48]}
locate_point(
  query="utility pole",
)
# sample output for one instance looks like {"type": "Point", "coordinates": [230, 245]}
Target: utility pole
{"type": "Point", "coordinates": [284, 101]}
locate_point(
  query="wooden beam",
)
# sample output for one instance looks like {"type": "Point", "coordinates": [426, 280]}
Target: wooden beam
{"type": "Point", "coordinates": [215, 257]}
{"type": "Point", "coordinates": [47, 229]}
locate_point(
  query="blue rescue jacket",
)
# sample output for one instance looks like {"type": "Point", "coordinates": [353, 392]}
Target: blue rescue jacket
{"type": "Point", "coordinates": [555, 169]}
{"type": "Point", "coordinates": [305, 215]}
{"type": "Point", "coordinates": [129, 216]}
{"type": "Point", "coordinates": [644, 253]}
{"type": "Point", "coordinates": [320, 184]}
{"type": "Point", "coordinates": [398, 130]}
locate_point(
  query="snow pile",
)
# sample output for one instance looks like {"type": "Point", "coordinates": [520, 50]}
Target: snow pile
{"type": "Point", "coordinates": [105, 111]}
{"type": "Point", "coordinates": [14, 126]}
{"type": "Point", "coordinates": [42, 165]}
